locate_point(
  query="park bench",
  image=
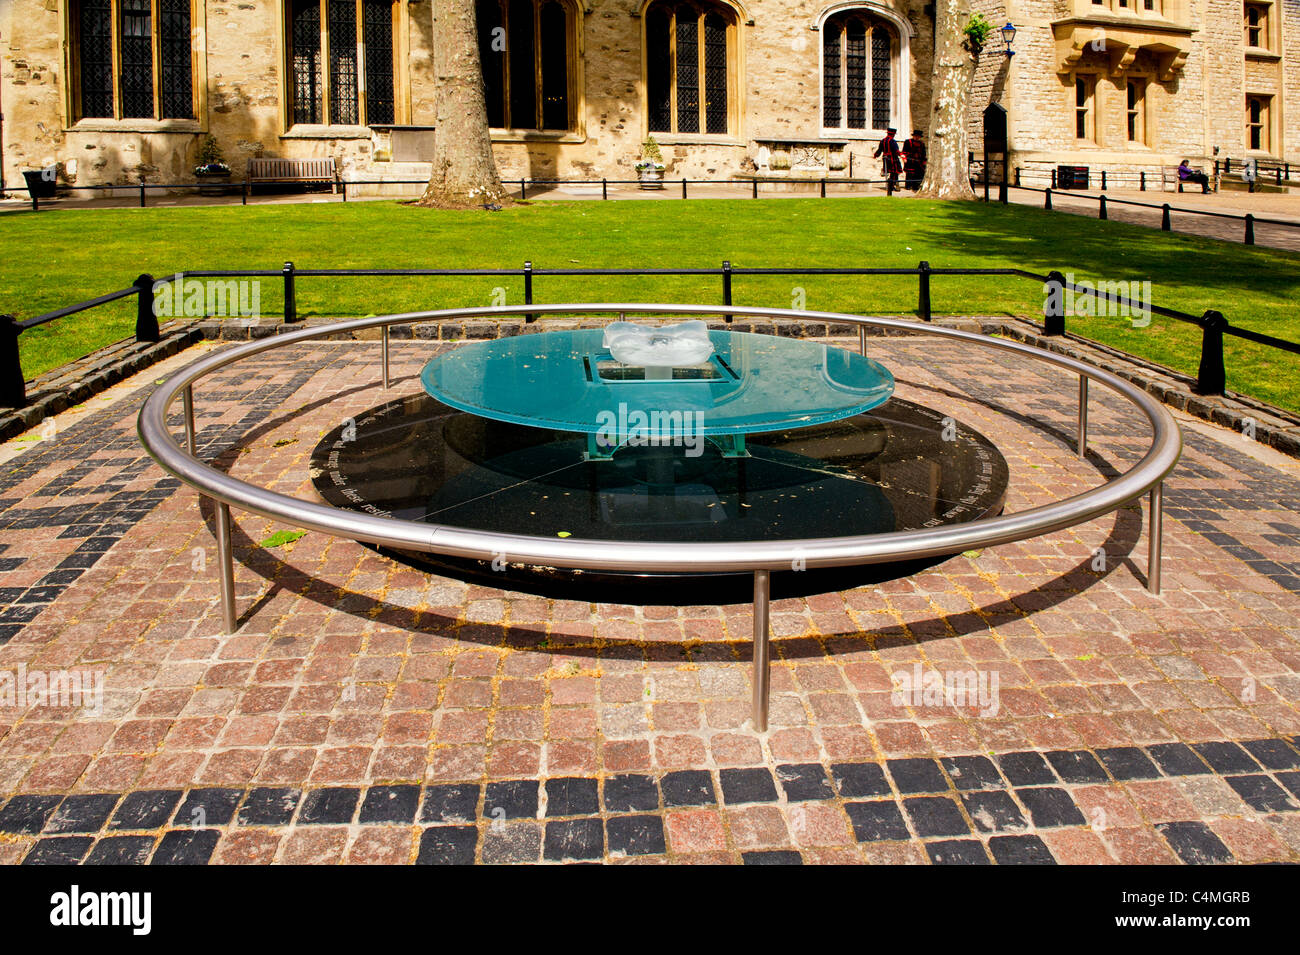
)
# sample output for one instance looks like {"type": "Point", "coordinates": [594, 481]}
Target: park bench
{"type": "Point", "coordinates": [1169, 177]}
{"type": "Point", "coordinates": [293, 171]}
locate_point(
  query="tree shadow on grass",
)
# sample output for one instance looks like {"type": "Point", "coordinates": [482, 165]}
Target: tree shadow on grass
{"type": "Point", "coordinates": [1184, 269]}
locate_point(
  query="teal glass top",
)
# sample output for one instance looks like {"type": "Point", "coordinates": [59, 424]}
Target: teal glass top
{"type": "Point", "coordinates": [567, 381]}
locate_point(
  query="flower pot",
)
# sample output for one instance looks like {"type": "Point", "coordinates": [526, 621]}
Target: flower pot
{"type": "Point", "coordinates": [650, 178]}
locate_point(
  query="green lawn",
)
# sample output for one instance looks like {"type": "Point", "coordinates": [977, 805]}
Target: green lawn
{"type": "Point", "coordinates": [60, 256]}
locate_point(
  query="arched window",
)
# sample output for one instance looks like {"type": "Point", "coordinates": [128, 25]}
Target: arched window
{"type": "Point", "coordinates": [132, 59]}
{"type": "Point", "coordinates": [859, 53]}
{"type": "Point", "coordinates": [341, 59]}
{"type": "Point", "coordinates": [689, 61]}
{"type": "Point", "coordinates": [526, 50]}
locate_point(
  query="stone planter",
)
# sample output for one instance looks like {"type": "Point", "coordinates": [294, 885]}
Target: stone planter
{"type": "Point", "coordinates": [213, 183]}
{"type": "Point", "coordinates": [650, 178]}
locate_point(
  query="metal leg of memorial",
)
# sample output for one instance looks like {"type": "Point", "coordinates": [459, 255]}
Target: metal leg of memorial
{"type": "Point", "coordinates": [1156, 516]}
{"type": "Point", "coordinates": [226, 559]}
{"type": "Point", "coordinates": [188, 400]}
{"type": "Point", "coordinates": [762, 648]}
{"type": "Point", "coordinates": [1083, 416]}
{"type": "Point", "coordinates": [384, 349]}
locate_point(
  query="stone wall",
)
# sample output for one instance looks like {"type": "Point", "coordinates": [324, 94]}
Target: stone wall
{"type": "Point", "coordinates": [241, 78]}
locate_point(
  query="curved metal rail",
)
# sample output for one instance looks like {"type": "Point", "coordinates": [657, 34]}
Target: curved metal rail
{"type": "Point", "coordinates": [759, 557]}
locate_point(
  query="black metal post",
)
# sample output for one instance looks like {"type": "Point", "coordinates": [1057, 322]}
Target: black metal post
{"type": "Point", "coordinates": [1164, 218]}
{"type": "Point", "coordinates": [244, 199]}
{"type": "Point", "coordinates": [1053, 186]}
{"type": "Point", "coordinates": [146, 319]}
{"type": "Point", "coordinates": [142, 194]}
{"type": "Point", "coordinates": [1250, 229]}
{"type": "Point", "coordinates": [343, 188]}
{"type": "Point", "coordinates": [1103, 180]}
{"type": "Point", "coordinates": [1142, 181]}
{"type": "Point", "coordinates": [13, 390]}
{"type": "Point", "coordinates": [1017, 177]}
{"type": "Point", "coordinates": [726, 287]}
{"type": "Point", "coordinates": [1054, 306]}
{"type": "Point", "coordinates": [528, 290]}
{"type": "Point", "coordinates": [1047, 198]}
{"type": "Point", "coordinates": [823, 187]}
{"type": "Point", "coordinates": [755, 187]}
{"type": "Point", "coordinates": [290, 295]}
{"type": "Point", "coordinates": [1212, 378]}
{"type": "Point", "coordinates": [683, 187]}
{"type": "Point", "coordinates": [523, 189]}
{"type": "Point", "coordinates": [1002, 191]}
{"type": "Point", "coordinates": [604, 188]}
{"type": "Point", "coordinates": [1101, 207]}
{"type": "Point", "coordinates": [1227, 167]}
{"type": "Point", "coordinates": [1279, 175]}
{"type": "Point", "coordinates": [923, 291]}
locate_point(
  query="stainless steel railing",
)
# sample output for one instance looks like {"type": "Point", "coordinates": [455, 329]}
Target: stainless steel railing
{"type": "Point", "coordinates": [758, 557]}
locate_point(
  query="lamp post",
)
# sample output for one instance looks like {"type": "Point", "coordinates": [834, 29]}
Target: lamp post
{"type": "Point", "coordinates": [1008, 37]}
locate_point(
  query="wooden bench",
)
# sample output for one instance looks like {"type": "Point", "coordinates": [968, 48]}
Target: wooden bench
{"type": "Point", "coordinates": [1169, 177]}
{"type": "Point", "coordinates": [293, 171]}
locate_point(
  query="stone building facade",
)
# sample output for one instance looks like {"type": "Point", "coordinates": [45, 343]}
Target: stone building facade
{"type": "Point", "coordinates": [115, 90]}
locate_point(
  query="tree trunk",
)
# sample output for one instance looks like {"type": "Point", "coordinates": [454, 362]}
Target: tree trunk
{"type": "Point", "coordinates": [947, 174]}
{"type": "Point", "coordinates": [464, 172]}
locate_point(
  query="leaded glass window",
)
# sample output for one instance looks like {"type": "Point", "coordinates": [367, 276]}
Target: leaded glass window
{"type": "Point", "coordinates": [554, 34]}
{"type": "Point", "coordinates": [132, 59]}
{"type": "Point", "coordinates": [831, 98]}
{"type": "Point", "coordinates": [521, 76]}
{"type": "Point", "coordinates": [136, 78]}
{"type": "Point", "coordinates": [95, 28]}
{"type": "Point", "coordinates": [491, 54]}
{"type": "Point", "coordinates": [526, 52]}
{"type": "Point", "coordinates": [715, 74]}
{"type": "Point", "coordinates": [688, 68]}
{"type": "Point", "coordinates": [659, 68]}
{"type": "Point", "coordinates": [341, 60]}
{"type": "Point", "coordinates": [855, 68]}
{"type": "Point", "coordinates": [858, 55]}
{"type": "Point", "coordinates": [176, 78]}
{"type": "Point", "coordinates": [880, 79]}
{"type": "Point", "coordinates": [378, 38]}
{"type": "Point", "coordinates": [305, 38]}
{"type": "Point", "coordinates": [688, 75]}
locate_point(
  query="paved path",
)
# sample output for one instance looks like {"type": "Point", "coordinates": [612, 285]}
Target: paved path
{"type": "Point", "coordinates": [367, 712]}
{"type": "Point", "coordinates": [1272, 206]}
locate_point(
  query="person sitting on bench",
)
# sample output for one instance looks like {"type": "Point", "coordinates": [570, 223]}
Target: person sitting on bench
{"type": "Point", "coordinates": [1187, 174]}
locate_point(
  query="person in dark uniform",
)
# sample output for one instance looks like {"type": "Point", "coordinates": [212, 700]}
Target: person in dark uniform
{"type": "Point", "coordinates": [914, 160]}
{"type": "Point", "coordinates": [891, 165]}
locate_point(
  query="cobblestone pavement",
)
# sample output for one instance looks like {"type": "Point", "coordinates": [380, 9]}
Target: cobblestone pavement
{"type": "Point", "coordinates": [367, 712]}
